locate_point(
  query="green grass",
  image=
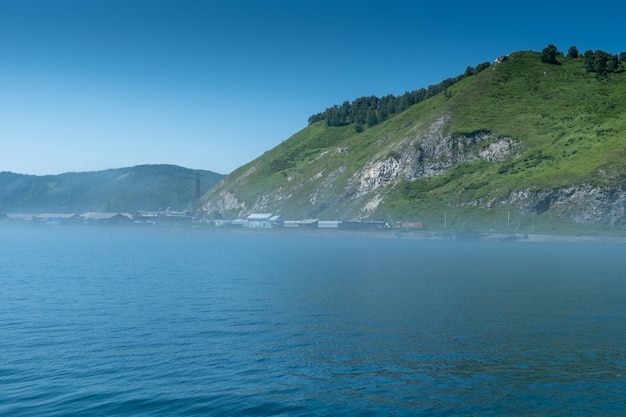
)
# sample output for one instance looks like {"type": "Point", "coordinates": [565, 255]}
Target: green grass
{"type": "Point", "coordinates": [573, 118]}
{"type": "Point", "coordinates": [570, 124]}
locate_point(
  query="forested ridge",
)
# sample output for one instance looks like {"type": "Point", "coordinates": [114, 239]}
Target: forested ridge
{"type": "Point", "coordinates": [371, 110]}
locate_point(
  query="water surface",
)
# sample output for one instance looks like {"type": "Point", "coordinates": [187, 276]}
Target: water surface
{"type": "Point", "coordinates": [122, 322]}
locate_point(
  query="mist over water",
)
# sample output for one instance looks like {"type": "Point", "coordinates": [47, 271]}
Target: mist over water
{"type": "Point", "coordinates": [148, 323]}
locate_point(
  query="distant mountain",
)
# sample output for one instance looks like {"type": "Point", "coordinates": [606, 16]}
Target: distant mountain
{"type": "Point", "coordinates": [534, 142]}
{"type": "Point", "coordinates": [143, 187]}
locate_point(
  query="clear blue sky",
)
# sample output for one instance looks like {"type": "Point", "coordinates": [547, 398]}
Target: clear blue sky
{"type": "Point", "coordinates": [95, 84]}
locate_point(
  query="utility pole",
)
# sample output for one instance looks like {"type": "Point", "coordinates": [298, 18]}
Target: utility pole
{"type": "Point", "coordinates": [508, 220]}
{"type": "Point", "coordinates": [613, 218]}
{"type": "Point", "coordinates": [532, 213]}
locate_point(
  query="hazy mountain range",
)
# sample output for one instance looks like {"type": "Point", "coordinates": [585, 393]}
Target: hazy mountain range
{"type": "Point", "coordinates": [143, 187]}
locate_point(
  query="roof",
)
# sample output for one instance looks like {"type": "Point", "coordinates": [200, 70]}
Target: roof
{"type": "Point", "coordinates": [20, 216]}
{"type": "Point", "coordinates": [259, 217]}
{"type": "Point", "coordinates": [93, 215]}
{"type": "Point", "coordinates": [56, 215]}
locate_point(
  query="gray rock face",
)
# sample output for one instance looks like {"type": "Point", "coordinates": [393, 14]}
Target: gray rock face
{"type": "Point", "coordinates": [582, 203]}
{"type": "Point", "coordinates": [432, 153]}
{"type": "Point", "coordinates": [424, 151]}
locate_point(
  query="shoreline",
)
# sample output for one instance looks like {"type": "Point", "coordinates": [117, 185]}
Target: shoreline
{"type": "Point", "coordinates": [383, 233]}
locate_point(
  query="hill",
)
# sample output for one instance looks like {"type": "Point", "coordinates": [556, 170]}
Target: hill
{"type": "Point", "coordinates": [143, 187]}
{"type": "Point", "coordinates": [524, 144]}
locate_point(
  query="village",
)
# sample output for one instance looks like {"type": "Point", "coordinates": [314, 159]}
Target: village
{"type": "Point", "coordinates": [271, 221]}
{"type": "Point", "coordinates": [169, 217]}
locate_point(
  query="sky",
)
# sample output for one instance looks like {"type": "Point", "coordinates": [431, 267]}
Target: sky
{"type": "Point", "coordinates": [87, 85]}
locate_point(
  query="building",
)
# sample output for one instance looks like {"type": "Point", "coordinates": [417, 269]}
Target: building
{"type": "Point", "coordinates": [164, 217]}
{"type": "Point", "coordinates": [364, 225]}
{"type": "Point", "coordinates": [56, 218]}
{"type": "Point", "coordinates": [21, 217]}
{"type": "Point", "coordinates": [263, 221]}
{"type": "Point", "coordinates": [100, 218]}
{"type": "Point", "coordinates": [301, 224]}
{"type": "Point", "coordinates": [409, 225]}
{"type": "Point", "coordinates": [501, 59]}
{"type": "Point", "coordinates": [329, 224]}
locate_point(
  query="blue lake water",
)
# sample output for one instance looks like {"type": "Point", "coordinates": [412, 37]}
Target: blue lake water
{"type": "Point", "coordinates": [116, 322]}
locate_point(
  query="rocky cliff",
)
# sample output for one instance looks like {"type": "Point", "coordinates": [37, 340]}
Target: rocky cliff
{"type": "Point", "coordinates": [522, 137]}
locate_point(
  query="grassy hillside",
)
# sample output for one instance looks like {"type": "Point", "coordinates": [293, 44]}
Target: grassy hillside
{"type": "Point", "coordinates": [570, 121]}
{"type": "Point", "coordinates": [572, 125]}
{"type": "Point", "coordinates": [569, 127]}
{"type": "Point", "coordinates": [144, 187]}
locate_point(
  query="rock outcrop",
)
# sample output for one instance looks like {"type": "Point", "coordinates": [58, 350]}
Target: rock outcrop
{"type": "Point", "coordinates": [582, 203]}
{"type": "Point", "coordinates": [429, 153]}
{"type": "Point", "coordinates": [505, 139]}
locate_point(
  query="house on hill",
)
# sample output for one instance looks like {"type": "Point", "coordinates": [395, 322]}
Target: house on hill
{"type": "Point", "coordinates": [501, 59]}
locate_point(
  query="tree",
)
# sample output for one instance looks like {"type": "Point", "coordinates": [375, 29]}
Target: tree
{"type": "Point", "coordinates": [316, 118]}
{"type": "Point", "coordinates": [371, 117]}
{"type": "Point", "coordinates": [589, 60]}
{"type": "Point", "coordinates": [481, 67]}
{"type": "Point", "coordinates": [600, 63]}
{"type": "Point", "coordinates": [572, 52]}
{"type": "Point", "coordinates": [613, 63]}
{"type": "Point", "coordinates": [548, 55]}
{"type": "Point", "coordinates": [371, 110]}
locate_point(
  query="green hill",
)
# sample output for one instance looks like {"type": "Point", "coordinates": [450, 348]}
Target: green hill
{"type": "Point", "coordinates": [143, 187]}
{"type": "Point", "coordinates": [522, 145]}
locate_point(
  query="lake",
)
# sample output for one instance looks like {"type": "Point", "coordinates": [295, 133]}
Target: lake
{"type": "Point", "coordinates": [130, 322]}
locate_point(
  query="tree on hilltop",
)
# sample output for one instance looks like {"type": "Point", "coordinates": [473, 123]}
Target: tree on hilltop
{"type": "Point", "coordinates": [371, 110]}
{"type": "Point", "coordinates": [601, 62]}
{"type": "Point", "coordinates": [572, 52]}
{"type": "Point", "coordinates": [613, 63]}
{"type": "Point", "coordinates": [549, 53]}
{"type": "Point", "coordinates": [589, 58]}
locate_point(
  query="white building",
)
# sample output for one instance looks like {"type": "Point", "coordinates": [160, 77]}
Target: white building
{"type": "Point", "coordinates": [263, 221]}
{"type": "Point", "coordinates": [328, 224]}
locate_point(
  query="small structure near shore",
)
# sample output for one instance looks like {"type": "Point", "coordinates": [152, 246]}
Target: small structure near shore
{"type": "Point", "coordinates": [168, 216]}
{"type": "Point", "coordinates": [263, 221]}
{"type": "Point", "coordinates": [104, 218]}
{"type": "Point", "coordinates": [409, 225]}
